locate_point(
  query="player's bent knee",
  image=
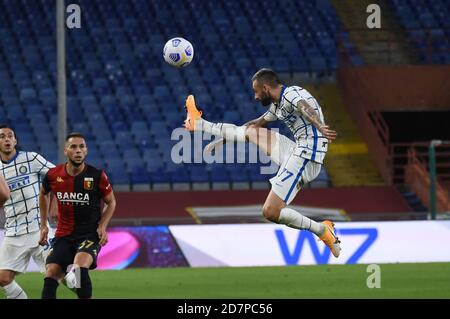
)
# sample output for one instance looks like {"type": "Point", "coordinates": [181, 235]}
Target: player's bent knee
{"type": "Point", "coordinates": [254, 133]}
{"type": "Point", "coordinates": [251, 132]}
{"type": "Point", "coordinates": [271, 213]}
{"type": "Point", "coordinates": [53, 271]}
{"type": "Point", "coordinates": [4, 282]}
{"type": "Point", "coordinates": [83, 260]}
{"type": "Point", "coordinates": [6, 277]}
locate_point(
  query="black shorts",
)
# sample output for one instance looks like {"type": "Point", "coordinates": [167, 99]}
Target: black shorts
{"type": "Point", "coordinates": [64, 249]}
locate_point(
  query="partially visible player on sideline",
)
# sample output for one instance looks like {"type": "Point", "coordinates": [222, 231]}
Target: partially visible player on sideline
{"type": "Point", "coordinates": [79, 189]}
{"type": "Point", "coordinates": [4, 191]}
{"type": "Point", "coordinates": [23, 172]}
{"type": "Point", "coordinates": [300, 161]}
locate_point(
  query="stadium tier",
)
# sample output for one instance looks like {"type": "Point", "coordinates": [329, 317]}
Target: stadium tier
{"type": "Point", "coordinates": [427, 25]}
{"type": "Point", "coordinates": [127, 101]}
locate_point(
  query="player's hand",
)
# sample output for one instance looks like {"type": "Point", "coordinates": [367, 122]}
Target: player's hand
{"type": "Point", "coordinates": [102, 235]}
{"type": "Point", "coordinates": [43, 236]}
{"type": "Point", "coordinates": [328, 133]}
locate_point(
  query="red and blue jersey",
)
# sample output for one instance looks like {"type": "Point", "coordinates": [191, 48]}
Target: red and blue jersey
{"type": "Point", "coordinates": [79, 198]}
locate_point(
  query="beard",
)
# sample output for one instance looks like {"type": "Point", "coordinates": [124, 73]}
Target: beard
{"type": "Point", "coordinates": [265, 100]}
{"type": "Point", "coordinates": [75, 164]}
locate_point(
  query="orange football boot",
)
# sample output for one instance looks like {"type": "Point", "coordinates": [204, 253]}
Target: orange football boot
{"type": "Point", "coordinates": [330, 239]}
{"type": "Point", "coordinates": [193, 114]}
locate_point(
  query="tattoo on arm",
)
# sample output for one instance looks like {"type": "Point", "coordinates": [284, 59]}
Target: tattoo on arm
{"type": "Point", "coordinates": [308, 111]}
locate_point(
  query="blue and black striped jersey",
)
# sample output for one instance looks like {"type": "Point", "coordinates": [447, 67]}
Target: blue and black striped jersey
{"type": "Point", "coordinates": [23, 174]}
{"type": "Point", "coordinates": [310, 142]}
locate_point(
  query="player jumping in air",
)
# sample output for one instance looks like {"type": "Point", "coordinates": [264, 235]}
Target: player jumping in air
{"type": "Point", "coordinates": [300, 161]}
{"type": "Point", "coordinates": [79, 189]}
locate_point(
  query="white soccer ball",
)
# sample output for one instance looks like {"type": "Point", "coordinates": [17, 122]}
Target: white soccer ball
{"type": "Point", "coordinates": [178, 52]}
{"type": "Point", "coordinates": [72, 277]}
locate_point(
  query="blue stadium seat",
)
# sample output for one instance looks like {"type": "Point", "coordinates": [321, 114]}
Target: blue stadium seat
{"type": "Point", "coordinates": [416, 18]}
{"type": "Point", "coordinates": [119, 177]}
{"type": "Point", "coordinates": [181, 176]}
{"type": "Point", "coordinates": [140, 176]}
{"type": "Point", "coordinates": [161, 177]}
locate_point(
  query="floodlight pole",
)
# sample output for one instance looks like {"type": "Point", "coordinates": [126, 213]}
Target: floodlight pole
{"type": "Point", "coordinates": [61, 78]}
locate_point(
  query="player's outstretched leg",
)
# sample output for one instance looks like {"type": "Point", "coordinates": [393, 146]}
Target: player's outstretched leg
{"type": "Point", "coordinates": [265, 139]}
{"type": "Point", "coordinates": [11, 288]}
{"type": "Point", "coordinates": [275, 210]}
{"type": "Point", "coordinates": [262, 137]}
{"type": "Point", "coordinates": [195, 122]}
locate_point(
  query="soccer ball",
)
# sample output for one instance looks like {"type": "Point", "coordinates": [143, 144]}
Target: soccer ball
{"type": "Point", "coordinates": [72, 277]}
{"type": "Point", "coordinates": [178, 52]}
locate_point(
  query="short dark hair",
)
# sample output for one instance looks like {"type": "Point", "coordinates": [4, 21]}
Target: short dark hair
{"type": "Point", "coordinates": [74, 134]}
{"type": "Point", "coordinates": [7, 126]}
{"type": "Point", "coordinates": [267, 76]}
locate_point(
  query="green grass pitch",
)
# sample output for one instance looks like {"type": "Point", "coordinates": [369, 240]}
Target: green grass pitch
{"type": "Point", "coordinates": [327, 281]}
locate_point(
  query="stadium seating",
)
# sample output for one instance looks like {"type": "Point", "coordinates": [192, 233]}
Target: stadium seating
{"type": "Point", "coordinates": [127, 101]}
{"type": "Point", "coordinates": [427, 24]}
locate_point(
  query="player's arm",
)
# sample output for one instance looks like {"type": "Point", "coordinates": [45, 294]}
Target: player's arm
{"type": "Point", "coordinates": [4, 191]}
{"type": "Point", "coordinates": [311, 115]}
{"type": "Point", "coordinates": [44, 206]}
{"type": "Point", "coordinates": [108, 212]}
{"type": "Point", "coordinates": [52, 211]}
{"type": "Point", "coordinates": [43, 210]}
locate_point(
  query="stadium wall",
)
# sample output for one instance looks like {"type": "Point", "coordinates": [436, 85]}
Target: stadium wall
{"type": "Point", "coordinates": [237, 245]}
{"type": "Point", "coordinates": [402, 88]}
{"type": "Point", "coordinates": [174, 204]}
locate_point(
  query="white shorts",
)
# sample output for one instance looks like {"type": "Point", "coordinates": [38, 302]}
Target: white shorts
{"type": "Point", "coordinates": [294, 171]}
{"type": "Point", "coordinates": [16, 252]}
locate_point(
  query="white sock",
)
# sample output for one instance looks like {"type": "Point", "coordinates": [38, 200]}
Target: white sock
{"type": "Point", "coordinates": [14, 291]}
{"type": "Point", "coordinates": [294, 219]}
{"type": "Point", "coordinates": [227, 131]}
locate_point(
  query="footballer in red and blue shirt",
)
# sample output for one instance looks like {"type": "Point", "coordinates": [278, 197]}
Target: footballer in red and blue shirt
{"type": "Point", "coordinates": [79, 189]}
